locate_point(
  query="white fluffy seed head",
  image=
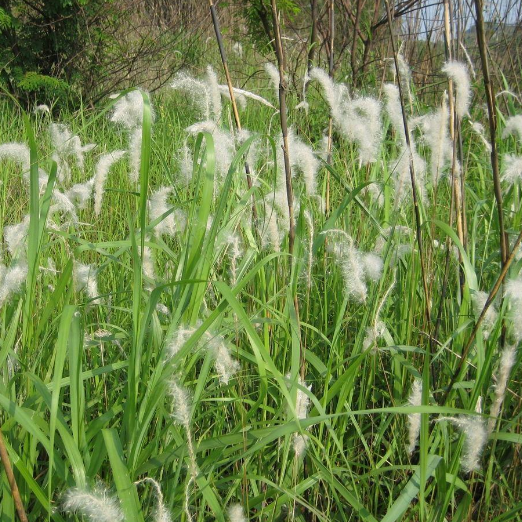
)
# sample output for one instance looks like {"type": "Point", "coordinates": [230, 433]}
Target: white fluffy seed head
{"type": "Point", "coordinates": [103, 166]}
{"type": "Point", "coordinates": [513, 291]}
{"type": "Point", "coordinates": [128, 110]}
{"type": "Point", "coordinates": [335, 94]}
{"type": "Point", "coordinates": [373, 266]}
{"type": "Point", "coordinates": [302, 159]}
{"type": "Point", "coordinates": [273, 74]}
{"type": "Point", "coordinates": [85, 278]}
{"type": "Point", "coordinates": [17, 152]}
{"type": "Point", "coordinates": [11, 280]}
{"type": "Point", "coordinates": [478, 129]}
{"type": "Point", "coordinates": [215, 94]}
{"type": "Point", "coordinates": [458, 73]}
{"type": "Point", "coordinates": [158, 204]}
{"type": "Point", "coordinates": [97, 505]}
{"type": "Point", "coordinates": [513, 126]}
{"type": "Point", "coordinates": [300, 444]}
{"type": "Point", "coordinates": [135, 140]}
{"type": "Point", "coordinates": [394, 110]}
{"type": "Point", "coordinates": [226, 366]}
{"type": "Point", "coordinates": [235, 513]}
{"type": "Point", "coordinates": [197, 89]}
{"type": "Point", "coordinates": [182, 403]}
{"type": "Point", "coordinates": [67, 145]}
{"type": "Point", "coordinates": [15, 237]}
{"type": "Point", "coordinates": [80, 193]}
{"type": "Point", "coordinates": [436, 136]}
{"type": "Point", "coordinates": [364, 127]}
{"type": "Point", "coordinates": [405, 76]}
{"type": "Point", "coordinates": [414, 419]}
{"type": "Point", "coordinates": [476, 436]}
{"type": "Point", "coordinates": [479, 299]}
{"type": "Point", "coordinates": [178, 339]}
{"type": "Point", "coordinates": [224, 145]}
{"type": "Point", "coordinates": [511, 168]}
{"type": "Point", "coordinates": [507, 361]}
{"type": "Point", "coordinates": [161, 513]}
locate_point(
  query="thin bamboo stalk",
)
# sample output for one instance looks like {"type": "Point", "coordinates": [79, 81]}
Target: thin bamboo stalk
{"type": "Point", "coordinates": [418, 223]}
{"type": "Point", "coordinates": [492, 116]}
{"type": "Point", "coordinates": [11, 480]}
{"type": "Point", "coordinates": [219, 38]}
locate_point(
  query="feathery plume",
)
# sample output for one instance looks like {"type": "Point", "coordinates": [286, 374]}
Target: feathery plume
{"type": "Point", "coordinates": [373, 334]}
{"type": "Point", "coordinates": [158, 204]}
{"type": "Point", "coordinates": [215, 94]}
{"type": "Point", "coordinates": [19, 153]}
{"type": "Point", "coordinates": [11, 280]}
{"type": "Point", "coordinates": [513, 126]}
{"type": "Point", "coordinates": [513, 291]}
{"type": "Point", "coordinates": [80, 193]}
{"type": "Point", "coordinates": [97, 505]}
{"type": "Point", "coordinates": [15, 237]}
{"type": "Point", "coordinates": [224, 364]}
{"type": "Point", "coordinates": [198, 89]}
{"type": "Point", "coordinates": [478, 129]}
{"type": "Point", "coordinates": [301, 159]}
{"type": "Point", "coordinates": [242, 95]}
{"type": "Point", "coordinates": [414, 419]}
{"type": "Point", "coordinates": [394, 110]}
{"type": "Point", "coordinates": [302, 405]}
{"type": "Point", "coordinates": [61, 203]}
{"type": "Point", "coordinates": [273, 74]}
{"type": "Point", "coordinates": [67, 144]}
{"type": "Point", "coordinates": [42, 109]}
{"type": "Point", "coordinates": [479, 299]}
{"type": "Point", "coordinates": [476, 436]}
{"type": "Point", "coordinates": [178, 339]}
{"type": "Point", "coordinates": [182, 403]}
{"type": "Point", "coordinates": [85, 278]}
{"type": "Point", "coordinates": [436, 136]}
{"type": "Point", "coordinates": [161, 513]}
{"type": "Point", "coordinates": [405, 76]}
{"type": "Point", "coordinates": [336, 94]}
{"type": "Point", "coordinates": [356, 267]}
{"type": "Point", "coordinates": [400, 169]}
{"type": "Point", "coordinates": [128, 110]}
{"type": "Point", "coordinates": [512, 169]}
{"type": "Point", "coordinates": [235, 513]}
{"type": "Point", "coordinates": [507, 361]}
{"type": "Point", "coordinates": [135, 139]}
{"type": "Point", "coordinates": [372, 265]}
{"type": "Point", "coordinates": [458, 73]}
{"type": "Point", "coordinates": [183, 415]}
{"type": "Point", "coordinates": [224, 145]}
{"type": "Point", "coordinates": [270, 233]}
{"type": "Point", "coordinates": [232, 243]}
{"type": "Point", "coordinates": [103, 166]}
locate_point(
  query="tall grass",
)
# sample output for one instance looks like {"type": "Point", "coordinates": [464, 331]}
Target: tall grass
{"type": "Point", "coordinates": [92, 386]}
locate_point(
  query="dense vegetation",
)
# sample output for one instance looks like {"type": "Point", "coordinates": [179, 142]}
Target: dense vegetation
{"type": "Point", "coordinates": [162, 355]}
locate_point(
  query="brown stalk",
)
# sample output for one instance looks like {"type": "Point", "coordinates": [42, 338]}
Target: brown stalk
{"type": "Point", "coordinates": [11, 479]}
{"type": "Point", "coordinates": [418, 224]}
{"type": "Point", "coordinates": [288, 172]}
{"type": "Point", "coordinates": [219, 38]}
{"type": "Point", "coordinates": [453, 127]}
{"type": "Point", "coordinates": [331, 24]}
{"type": "Point", "coordinates": [489, 301]}
{"type": "Point", "coordinates": [492, 116]}
{"type": "Point", "coordinates": [284, 127]}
